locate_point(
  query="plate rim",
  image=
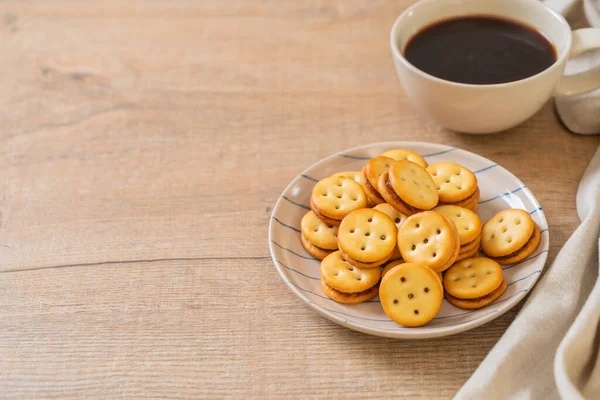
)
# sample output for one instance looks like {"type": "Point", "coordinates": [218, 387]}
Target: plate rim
{"type": "Point", "coordinates": [417, 333]}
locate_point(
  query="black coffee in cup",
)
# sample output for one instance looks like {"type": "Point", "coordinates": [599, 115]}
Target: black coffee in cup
{"type": "Point", "coordinates": [480, 50]}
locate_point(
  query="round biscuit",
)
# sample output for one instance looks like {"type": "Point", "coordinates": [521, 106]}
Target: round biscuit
{"type": "Point", "coordinates": [473, 277]}
{"type": "Point", "coordinates": [411, 294]}
{"type": "Point", "coordinates": [367, 235]}
{"type": "Point", "coordinates": [467, 222]}
{"type": "Point", "coordinates": [413, 184]}
{"type": "Point", "coordinates": [428, 238]}
{"type": "Point", "coordinates": [375, 168]}
{"type": "Point", "coordinates": [313, 250]}
{"type": "Point", "coordinates": [318, 232]}
{"type": "Point", "coordinates": [336, 197]}
{"type": "Point", "coordinates": [526, 250]}
{"type": "Point", "coordinates": [404, 154]}
{"type": "Point", "coordinates": [391, 212]}
{"type": "Point", "coordinates": [480, 302]}
{"type": "Point", "coordinates": [347, 278]}
{"type": "Point", "coordinates": [453, 181]}
{"type": "Point", "coordinates": [506, 232]}
{"type": "Point", "coordinates": [349, 298]}
{"type": "Point", "coordinates": [389, 266]}
{"type": "Point", "coordinates": [356, 176]}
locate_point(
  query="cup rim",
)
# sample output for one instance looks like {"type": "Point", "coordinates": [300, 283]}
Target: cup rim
{"type": "Point", "coordinates": [560, 59]}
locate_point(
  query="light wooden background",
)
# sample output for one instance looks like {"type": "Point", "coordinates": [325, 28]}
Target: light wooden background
{"type": "Point", "coordinates": [143, 145]}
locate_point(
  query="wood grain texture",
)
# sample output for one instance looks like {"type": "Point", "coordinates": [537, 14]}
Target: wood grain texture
{"type": "Point", "coordinates": [143, 145]}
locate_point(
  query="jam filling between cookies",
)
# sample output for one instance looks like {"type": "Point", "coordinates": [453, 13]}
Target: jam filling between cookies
{"type": "Point", "coordinates": [317, 247]}
{"type": "Point", "coordinates": [371, 189]}
{"type": "Point", "coordinates": [480, 298]}
{"type": "Point", "coordinates": [323, 217]}
{"type": "Point", "coordinates": [397, 198]}
{"type": "Point", "coordinates": [374, 264]}
{"type": "Point", "coordinates": [462, 202]}
{"type": "Point", "coordinates": [514, 253]}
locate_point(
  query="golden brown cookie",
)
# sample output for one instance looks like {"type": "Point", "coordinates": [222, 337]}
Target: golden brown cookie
{"type": "Point", "coordinates": [471, 202]}
{"type": "Point", "coordinates": [372, 169]}
{"type": "Point", "coordinates": [356, 176]}
{"type": "Point", "coordinates": [509, 235]}
{"type": "Point", "coordinates": [411, 294]}
{"type": "Point", "coordinates": [473, 278]}
{"type": "Point", "coordinates": [525, 251]}
{"type": "Point", "coordinates": [467, 222]}
{"type": "Point", "coordinates": [430, 239]}
{"type": "Point", "coordinates": [398, 219]}
{"type": "Point", "coordinates": [367, 238]}
{"type": "Point", "coordinates": [481, 302]}
{"type": "Point", "coordinates": [318, 232]}
{"type": "Point", "coordinates": [453, 181]}
{"type": "Point", "coordinates": [333, 198]}
{"type": "Point", "coordinates": [408, 187]}
{"type": "Point", "coordinates": [347, 283]}
{"type": "Point", "coordinates": [404, 154]}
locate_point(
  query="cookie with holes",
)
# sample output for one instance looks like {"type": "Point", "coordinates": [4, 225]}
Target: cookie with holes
{"type": "Point", "coordinates": [318, 238]}
{"type": "Point", "coordinates": [429, 238]}
{"type": "Point", "coordinates": [404, 154]}
{"type": "Point", "coordinates": [367, 238]}
{"type": "Point", "coordinates": [335, 197]}
{"type": "Point", "coordinates": [411, 294]}
{"type": "Point", "coordinates": [510, 236]}
{"type": "Point", "coordinates": [480, 302]}
{"type": "Point", "coordinates": [356, 176]}
{"type": "Point", "coordinates": [408, 187]}
{"type": "Point", "coordinates": [469, 228]}
{"type": "Point", "coordinates": [455, 184]}
{"type": "Point", "coordinates": [473, 278]}
{"type": "Point", "coordinates": [347, 283]}
{"type": "Point", "coordinates": [398, 219]}
{"type": "Point", "coordinates": [370, 177]}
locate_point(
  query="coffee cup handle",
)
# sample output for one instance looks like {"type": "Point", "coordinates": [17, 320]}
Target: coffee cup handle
{"type": "Point", "coordinates": [583, 40]}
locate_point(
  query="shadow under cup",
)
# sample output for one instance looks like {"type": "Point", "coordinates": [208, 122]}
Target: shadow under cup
{"type": "Point", "coordinates": [479, 108]}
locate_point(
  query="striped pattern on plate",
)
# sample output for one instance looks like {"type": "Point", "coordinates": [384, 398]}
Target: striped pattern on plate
{"type": "Point", "coordinates": [499, 190]}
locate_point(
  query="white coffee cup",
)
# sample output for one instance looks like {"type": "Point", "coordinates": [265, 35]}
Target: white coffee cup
{"type": "Point", "coordinates": [492, 108]}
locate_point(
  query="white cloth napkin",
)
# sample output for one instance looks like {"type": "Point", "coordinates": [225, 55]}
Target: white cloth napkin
{"type": "Point", "coordinates": [552, 349]}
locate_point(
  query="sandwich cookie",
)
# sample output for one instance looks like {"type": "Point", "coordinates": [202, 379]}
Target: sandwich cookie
{"type": "Point", "coordinates": [474, 283]}
{"type": "Point", "coordinates": [408, 187]}
{"type": "Point", "coordinates": [318, 238]}
{"type": "Point", "coordinates": [430, 239]}
{"type": "Point", "coordinates": [411, 294]}
{"type": "Point", "coordinates": [370, 177]}
{"type": "Point", "coordinates": [346, 283]}
{"type": "Point", "coordinates": [510, 236]}
{"type": "Point", "coordinates": [335, 197]}
{"type": "Point", "coordinates": [367, 238]}
{"type": "Point", "coordinates": [469, 228]}
{"type": "Point", "coordinates": [356, 176]}
{"type": "Point", "coordinates": [455, 184]}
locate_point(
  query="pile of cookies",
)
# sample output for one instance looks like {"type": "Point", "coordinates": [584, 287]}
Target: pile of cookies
{"type": "Point", "coordinates": [418, 222]}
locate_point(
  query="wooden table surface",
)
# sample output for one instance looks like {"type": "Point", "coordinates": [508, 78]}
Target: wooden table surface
{"type": "Point", "coordinates": [143, 146]}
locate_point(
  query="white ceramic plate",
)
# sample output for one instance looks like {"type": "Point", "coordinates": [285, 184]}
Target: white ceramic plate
{"type": "Point", "coordinates": [499, 190]}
